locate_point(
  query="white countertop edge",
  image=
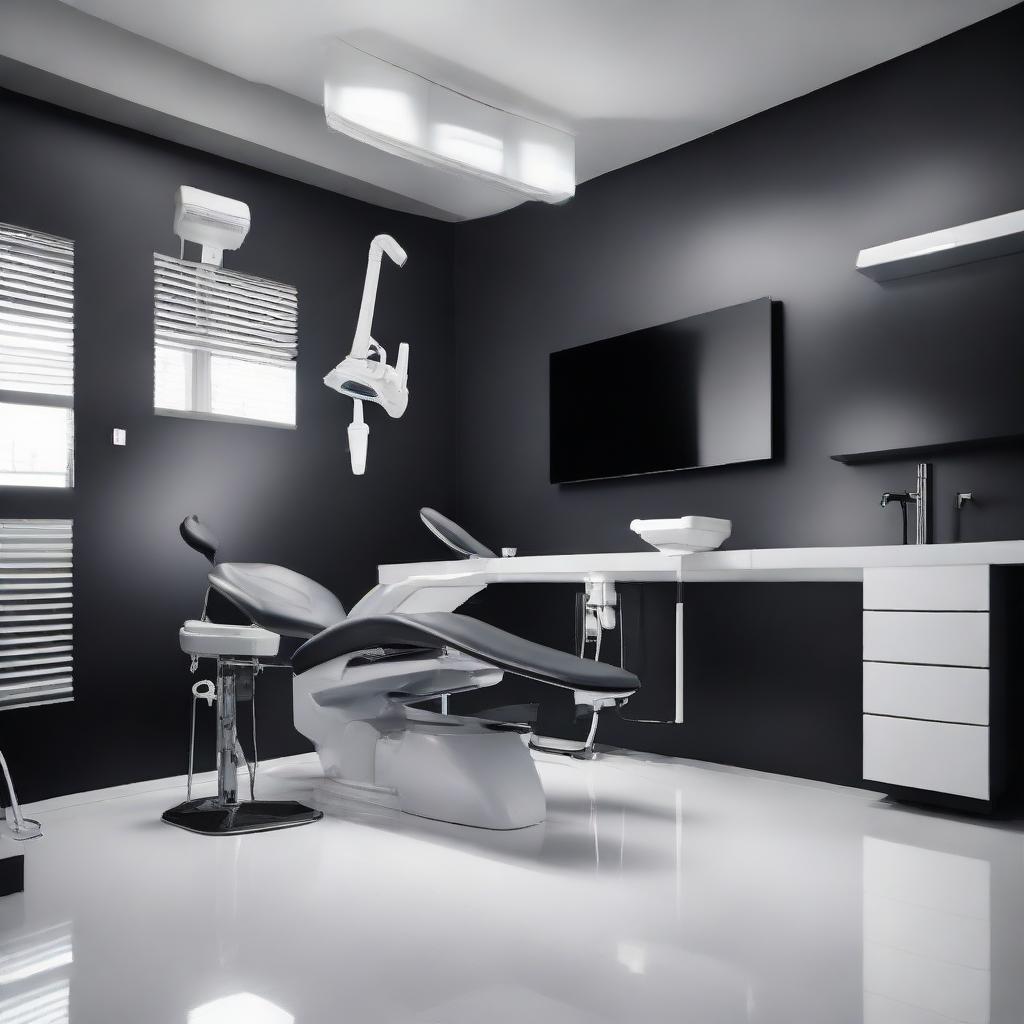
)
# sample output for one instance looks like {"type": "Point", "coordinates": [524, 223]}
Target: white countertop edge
{"type": "Point", "coordinates": [640, 566]}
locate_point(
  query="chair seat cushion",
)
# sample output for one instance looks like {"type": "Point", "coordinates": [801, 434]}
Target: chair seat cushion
{"type": "Point", "coordinates": [436, 630]}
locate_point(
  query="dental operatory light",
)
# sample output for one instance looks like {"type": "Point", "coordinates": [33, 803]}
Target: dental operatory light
{"type": "Point", "coordinates": [364, 374]}
{"type": "Point", "coordinates": [397, 111]}
{"type": "Point", "coordinates": [214, 222]}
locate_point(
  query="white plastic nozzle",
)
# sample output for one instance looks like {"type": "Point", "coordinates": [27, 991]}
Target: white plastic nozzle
{"type": "Point", "coordinates": [402, 364]}
{"type": "Point", "coordinates": [358, 439]}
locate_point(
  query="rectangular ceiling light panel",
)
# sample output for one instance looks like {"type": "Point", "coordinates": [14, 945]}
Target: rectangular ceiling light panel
{"type": "Point", "coordinates": [395, 110]}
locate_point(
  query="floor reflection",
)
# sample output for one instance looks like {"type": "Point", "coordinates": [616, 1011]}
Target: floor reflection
{"type": "Point", "coordinates": [927, 935]}
{"type": "Point", "coordinates": [34, 986]}
{"type": "Point", "coordinates": [656, 892]}
{"type": "Point", "coordinates": [240, 1008]}
{"type": "Point", "coordinates": [40, 1004]}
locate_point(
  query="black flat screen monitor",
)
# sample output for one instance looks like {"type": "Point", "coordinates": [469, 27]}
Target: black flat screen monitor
{"type": "Point", "coordinates": [684, 395]}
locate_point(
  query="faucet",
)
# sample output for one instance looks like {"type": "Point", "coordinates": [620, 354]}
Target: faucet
{"type": "Point", "coordinates": [919, 497]}
{"type": "Point", "coordinates": [961, 499]}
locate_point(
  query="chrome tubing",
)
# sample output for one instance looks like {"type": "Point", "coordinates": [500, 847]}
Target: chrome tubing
{"type": "Point", "coordinates": [22, 828]}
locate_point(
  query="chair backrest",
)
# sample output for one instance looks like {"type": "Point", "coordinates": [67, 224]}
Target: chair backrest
{"type": "Point", "coordinates": [276, 598]}
{"type": "Point", "coordinates": [199, 537]}
{"type": "Point", "coordinates": [271, 596]}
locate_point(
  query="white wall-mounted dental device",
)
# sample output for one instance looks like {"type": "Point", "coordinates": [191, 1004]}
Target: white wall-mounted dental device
{"type": "Point", "coordinates": [364, 374]}
{"type": "Point", "coordinates": [214, 222]}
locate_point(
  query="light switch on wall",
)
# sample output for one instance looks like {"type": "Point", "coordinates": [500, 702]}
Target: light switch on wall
{"type": "Point", "coordinates": [120, 436]}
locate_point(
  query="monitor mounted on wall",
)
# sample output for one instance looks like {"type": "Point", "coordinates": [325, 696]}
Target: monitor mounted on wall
{"type": "Point", "coordinates": [688, 394]}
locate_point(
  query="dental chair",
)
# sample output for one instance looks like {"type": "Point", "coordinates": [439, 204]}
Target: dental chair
{"type": "Point", "coordinates": [563, 726]}
{"type": "Point", "coordinates": [297, 607]}
{"type": "Point", "coordinates": [358, 679]}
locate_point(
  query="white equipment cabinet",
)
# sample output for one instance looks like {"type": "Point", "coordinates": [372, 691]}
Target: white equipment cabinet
{"type": "Point", "coordinates": [936, 661]}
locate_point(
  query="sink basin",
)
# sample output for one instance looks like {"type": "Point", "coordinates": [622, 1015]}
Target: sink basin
{"type": "Point", "coordinates": [683, 536]}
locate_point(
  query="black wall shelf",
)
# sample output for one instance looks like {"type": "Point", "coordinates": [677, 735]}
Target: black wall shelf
{"type": "Point", "coordinates": [939, 448]}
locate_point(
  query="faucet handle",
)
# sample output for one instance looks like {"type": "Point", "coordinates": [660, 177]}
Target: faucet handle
{"type": "Point", "coordinates": [964, 496]}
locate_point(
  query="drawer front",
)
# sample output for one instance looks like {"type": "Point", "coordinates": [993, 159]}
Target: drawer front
{"type": "Point", "coordinates": [935, 756]}
{"type": "Point", "coordinates": [935, 692]}
{"type": "Point", "coordinates": [953, 588]}
{"type": "Point", "coordinates": [927, 638]}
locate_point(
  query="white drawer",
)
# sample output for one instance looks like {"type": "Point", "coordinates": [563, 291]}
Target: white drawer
{"type": "Point", "coordinates": [927, 638]}
{"type": "Point", "coordinates": [927, 691]}
{"type": "Point", "coordinates": [936, 756]}
{"type": "Point", "coordinates": [954, 588]}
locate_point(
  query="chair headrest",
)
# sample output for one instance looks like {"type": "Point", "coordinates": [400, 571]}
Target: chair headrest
{"type": "Point", "coordinates": [199, 537]}
{"type": "Point", "coordinates": [454, 536]}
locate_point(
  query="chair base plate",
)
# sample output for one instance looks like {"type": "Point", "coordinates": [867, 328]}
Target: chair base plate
{"type": "Point", "coordinates": [12, 874]}
{"type": "Point", "coordinates": [210, 818]}
{"type": "Point", "coordinates": [579, 749]}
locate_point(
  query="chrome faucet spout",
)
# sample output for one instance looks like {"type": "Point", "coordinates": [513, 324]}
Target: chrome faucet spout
{"type": "Point", "coordinates": [901, 496]}
{"type": "Point", "coordinates": [919, 499]}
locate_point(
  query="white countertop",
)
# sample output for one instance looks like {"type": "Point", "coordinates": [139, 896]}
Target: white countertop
{"type": "Point", "coordinates": [754, 565]}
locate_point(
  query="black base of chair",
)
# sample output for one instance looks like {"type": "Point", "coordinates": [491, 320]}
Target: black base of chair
{"type": "Point", "coordinates": [12, 874]}
{"type": "Point", "coordinates": [211, 818]}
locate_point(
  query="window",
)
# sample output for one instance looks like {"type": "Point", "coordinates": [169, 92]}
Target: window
{"type": "Point", "coordinates": [37, 329]}
{"type": "Point", "coordinates": [35, 611]}
{"type": "Point", "coordinates": [225, 344]}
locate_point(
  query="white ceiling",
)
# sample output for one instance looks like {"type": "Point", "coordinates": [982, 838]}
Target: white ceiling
{"type": "Point", "coordinates": [629, 77]}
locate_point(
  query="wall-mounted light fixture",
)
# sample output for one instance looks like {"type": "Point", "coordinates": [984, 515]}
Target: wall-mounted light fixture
{"type": "Point", "coordinates": [399, 112]}
{"type": "Point", "coordinates": [979, 240]}
{"type": "Point", "coordinates": [214, 222]}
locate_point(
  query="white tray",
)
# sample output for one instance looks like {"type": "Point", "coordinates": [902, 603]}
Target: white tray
{"type": "Point", "coordinates": [219, 638]}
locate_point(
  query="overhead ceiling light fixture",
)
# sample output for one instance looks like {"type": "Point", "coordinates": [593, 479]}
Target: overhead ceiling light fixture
{"type": "Point", "coordinates": [395, 110]}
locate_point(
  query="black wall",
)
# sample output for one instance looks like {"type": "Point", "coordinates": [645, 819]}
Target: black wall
{"type": "Point", "coordinates": [272, 495]}
{"type": "Point", "coordinates": [776, 205]}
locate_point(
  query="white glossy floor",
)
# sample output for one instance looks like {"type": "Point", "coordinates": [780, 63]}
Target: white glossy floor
{"type": "Point", "coordinates": [656, 892]}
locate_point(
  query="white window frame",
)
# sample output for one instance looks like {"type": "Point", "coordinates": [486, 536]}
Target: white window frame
{"type": "Point", "coordinates": [10, 397]}
{"type": "Point", "coordinates": [36, 612]}
{"type": "Point", "coordinates": [265, 338]}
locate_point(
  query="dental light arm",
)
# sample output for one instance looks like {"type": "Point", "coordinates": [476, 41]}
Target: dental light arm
{"type": "Point", "coordinates": [380, 245]}
{"type": "Point", "coordinates": [364, 374]}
